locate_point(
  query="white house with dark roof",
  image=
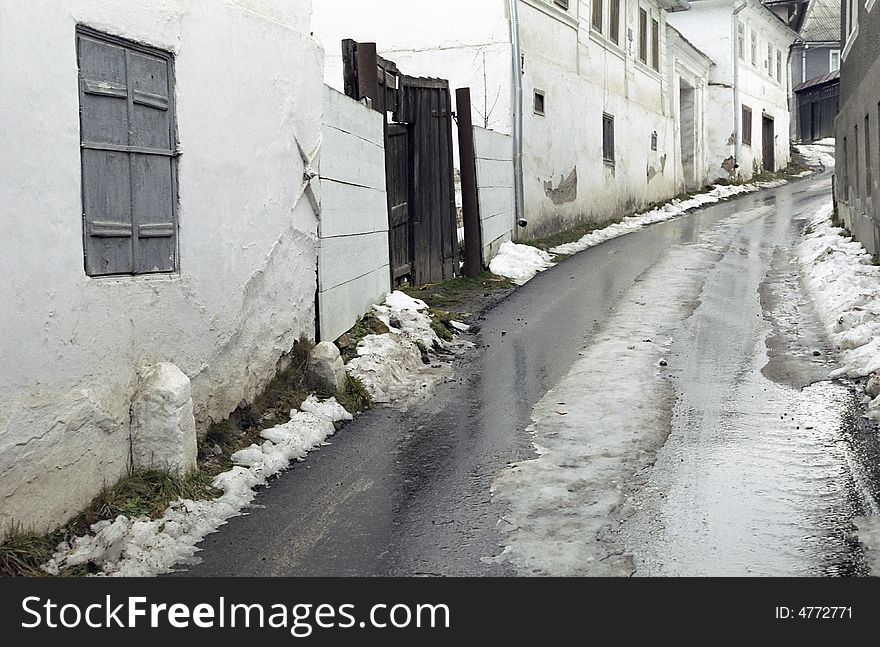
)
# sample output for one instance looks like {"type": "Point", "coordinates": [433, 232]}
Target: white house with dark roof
{"type": "Point", "coordinates": [749, 85]}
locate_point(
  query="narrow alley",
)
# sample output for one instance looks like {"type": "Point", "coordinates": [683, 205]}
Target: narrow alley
{"type": "Point", "coordinates": [754, 474]}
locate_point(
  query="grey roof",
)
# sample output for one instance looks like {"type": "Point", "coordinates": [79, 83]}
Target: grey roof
{"type": "Point", "coordinates": [822, 22]}
{"type": "Point", "coordinates": [819, 80]}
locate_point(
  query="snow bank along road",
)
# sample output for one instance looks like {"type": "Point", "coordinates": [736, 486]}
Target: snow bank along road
{"type": "Point", "coordinates": [660, 376]}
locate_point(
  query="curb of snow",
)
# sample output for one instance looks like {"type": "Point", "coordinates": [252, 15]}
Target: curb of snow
{"type": "Point", "coordinates": [844, 282]}
{"type": "Point", "coordinates": [520, 263]}
{"type": "Point", "coordinates": [142, 547]}
{"type": "Point", "coordinates": [390, 367]}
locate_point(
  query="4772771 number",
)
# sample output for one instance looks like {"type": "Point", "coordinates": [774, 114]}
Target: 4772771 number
{"type": "Point", "coordinates": [814, 613]}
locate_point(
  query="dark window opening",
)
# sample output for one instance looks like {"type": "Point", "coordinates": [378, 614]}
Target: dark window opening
{"type": "Point", "coordinates": [869, 179]}
{"type": "Point", "coordinates": [747, 125]}
{"type": "Point", "coordinates": [608, 138]}
{"type": "Point", "coordinates": [858, 171]}
{"type": "Point", "coordinates": [597, 15]}
{"type": "Point", "coordinates": [655, 45]}
{"type": "Point", "coordinates": [643, 36]}
{"type": "Point", "coordinates": [614, 24]}
{"type": "Point", "coordinates": [539, 102]}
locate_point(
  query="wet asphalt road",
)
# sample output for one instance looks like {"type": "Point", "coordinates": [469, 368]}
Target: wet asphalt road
{"type": "Point", "coordinates": [407, 493]}
{"type": "Point", "coordinates": [759, 473]}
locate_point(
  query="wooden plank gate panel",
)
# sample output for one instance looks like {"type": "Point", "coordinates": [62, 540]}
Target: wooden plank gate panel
{"type": "Point", "coordinates": [427, 105]}
{"type": "Point", "coordinates": [397, 163]}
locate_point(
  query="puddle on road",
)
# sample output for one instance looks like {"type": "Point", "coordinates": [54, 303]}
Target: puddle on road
{"type": "Point", "coordinates": [758, 476]}
{"type": "Point", "coordinates": [769, 492]}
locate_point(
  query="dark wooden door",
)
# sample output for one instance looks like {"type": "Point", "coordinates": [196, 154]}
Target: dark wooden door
{"type": "Point", "coordinates": [768, 144]}
{"type": "Point", "coordinates": [426, 104]}
{"type": "Point", "coordinates": [397, 172]}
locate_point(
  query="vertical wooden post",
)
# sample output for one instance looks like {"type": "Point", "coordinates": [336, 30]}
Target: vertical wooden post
{"type": "Point", "coordinates": [368, 74]}
{"type": "Point", "coordinates": [470, 203]}
{"type": "Point", "coordinates": [349, 68]}
{"type": "Point", "coordinates": [360, 72]}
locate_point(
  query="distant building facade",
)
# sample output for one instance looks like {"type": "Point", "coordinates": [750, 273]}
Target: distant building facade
{"type": "Point", "coordinates": [749, 85]}
{"type": "Point", "coordinates": [815, 70]}
{"type": "Point", "coordinates": [856, 127]}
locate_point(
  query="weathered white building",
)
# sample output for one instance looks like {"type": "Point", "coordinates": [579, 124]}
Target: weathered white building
{"type": "Point", "coordinates": [598, 98]}
{"type": "Point", "coordinates": [689, 70]}
{"type": "Point", "coordinates": [747, 98]}
{"type": "Point", "coordinates": [152, 163]}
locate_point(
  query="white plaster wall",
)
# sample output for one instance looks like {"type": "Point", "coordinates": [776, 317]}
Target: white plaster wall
{"type": "Point", "coordinates": [494, 163]}
{"type": "Point", "coordinates": [248, 84]}
{"type": "Point", "coordinates": [353, 262]}
{"type": "Point", "coordinates": [583, 76]}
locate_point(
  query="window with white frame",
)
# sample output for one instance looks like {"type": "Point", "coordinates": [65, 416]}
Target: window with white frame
{"type": "Point", "coordinates": [770, 60]}
{"type": "Point", "coordinates": [834, 63]}
{"type": "Point", "coordinates": [851, 19]}
{"type": "Point", "coordinates": [778, 66]}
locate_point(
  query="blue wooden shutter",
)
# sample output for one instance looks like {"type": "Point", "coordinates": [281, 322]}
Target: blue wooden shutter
{"type": "Point", "coordinates": [128, 158]}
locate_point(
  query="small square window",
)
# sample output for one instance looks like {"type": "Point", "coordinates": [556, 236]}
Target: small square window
{"type": "Point", "coordinates": [539, 102]}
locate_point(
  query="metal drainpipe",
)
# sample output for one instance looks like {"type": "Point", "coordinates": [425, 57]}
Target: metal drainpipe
{"type": "Point", "coordinates": [737, 102]}
{"type": "Point", "coordinates": [804, 62]}
{"type": "Point", "coordinates": [517, 99]}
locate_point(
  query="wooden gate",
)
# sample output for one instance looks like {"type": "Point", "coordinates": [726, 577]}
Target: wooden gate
{"type": "Point", "coordinates": [423, 234]}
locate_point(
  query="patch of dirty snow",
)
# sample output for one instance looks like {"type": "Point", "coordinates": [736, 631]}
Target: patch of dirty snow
{"type": "Point", "coordinates": [140, 547]}
{"type": "Point", "coordinates": [819, 154]}
{"type": "Point", "coordinates": [868, 532]}
{"type": "Point", "coordinates": [519, 263]}
{"type": "Point", "coordinates": [845, 284]}
{"type": "Point", "coordinates": [392, 366]}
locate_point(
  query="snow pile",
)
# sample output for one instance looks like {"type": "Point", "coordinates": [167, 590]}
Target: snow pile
{"type": "Point", "coordinates": [668, 211]}
{"type": "Point", "coordinates": [142, 547]}
{"type": "Point", "coordinates": [391, 366]}
{"type": "Point", "coordinates": [846, 285]}
{"type": "Point", "coordinates": [519, 263]}
{"type": "Point", "coordinates": [818, 154]}
{"type": "Point", "coordinates": [869, 535]}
